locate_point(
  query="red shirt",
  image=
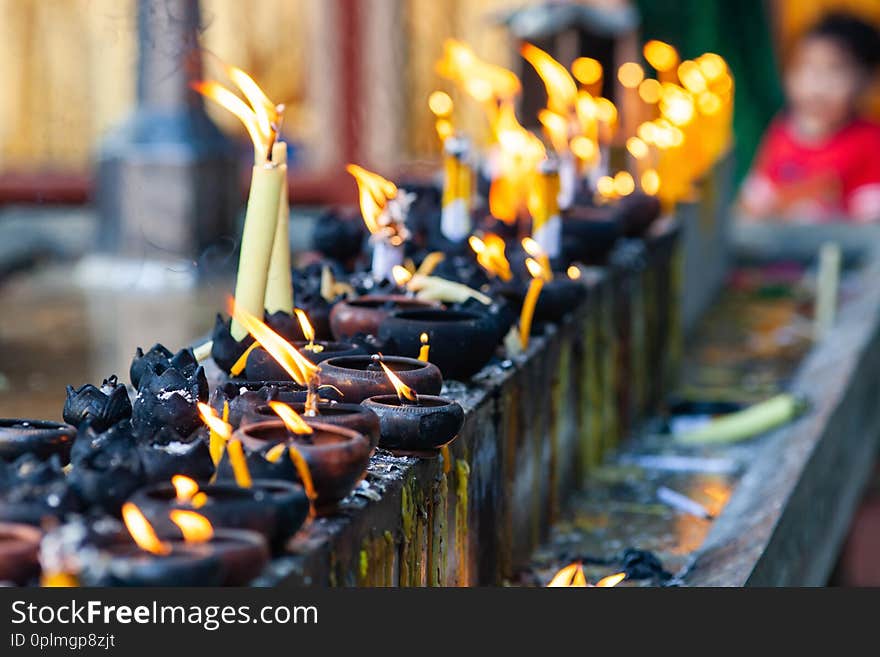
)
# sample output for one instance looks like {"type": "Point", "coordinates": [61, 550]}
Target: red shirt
{"type": "Point", "coordinates": [837, 178]}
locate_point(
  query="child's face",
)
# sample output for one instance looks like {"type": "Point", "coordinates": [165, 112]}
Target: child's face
{"type": "Point", "coordinates": [823, 85]}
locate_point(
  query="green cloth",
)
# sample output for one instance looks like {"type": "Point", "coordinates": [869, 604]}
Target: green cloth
{"type": "Point", "coordinates": [738, 31]}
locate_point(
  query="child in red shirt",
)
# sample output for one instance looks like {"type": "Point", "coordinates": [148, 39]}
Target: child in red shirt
{"type": "Point", "coordinates": [819, 161]}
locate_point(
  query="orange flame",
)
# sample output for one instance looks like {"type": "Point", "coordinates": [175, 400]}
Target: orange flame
{"type": "Point", "coordinates": [300, 368]}
{"type": "Point", "coordinates": [301, 466]}
{"type": "Point", "coordinates": [481, 80]}
{"type": "Point", "coordinates": [520, 152]}
{"type": "Point", "coordinates": [561, 87]}
{"type": "Point", "coordinates": [491, 256]}
{"type": "Point", "coordinates": [574, 272]}
{"type": "Point", "coordinates": [195, 527]}
{"type": "Point", "coordinates": [374, 192]}
{"type": "Point", "coordinates": [184, 487]}
{"type": "Point", "coordinates": [611, 580]}
{"type": "Point", "coordinates": [542, 266]}
{"type": "Point", "coordinates": [260, 116]}
{"type": "Point", "coordinates": [401, 275]}
{"type": "Point", "coordinates": [142, 531]}
{"type": "Point", "coordinates": [214, 423]}
{"type": "Point", "coordinates": [556, 127]}
{"type": "Point", "coordinates": [404, 392]}
{"type": "Point", "coordinates": [291, 418]}
{"type": "Point", "coordinates": [570, 576]}
{"type": "Point", "coordinates": [306, 326]}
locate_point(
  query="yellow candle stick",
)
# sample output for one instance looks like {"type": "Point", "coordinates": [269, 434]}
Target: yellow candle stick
{"type": "Point", "coordinates": [544, 208]}
{"type": "Point", "coordinates": [425, 349]}
{"type": "Point", "coordinates": [239, 463]}
{"type": "Point", "coordinates": [279, 284]}
{"type": "Point", "coordinates": [257, 240]}
{"type": "Point", "coordinates": [531, 300]}
{"type": "Point", "coordinates": [458, 184]}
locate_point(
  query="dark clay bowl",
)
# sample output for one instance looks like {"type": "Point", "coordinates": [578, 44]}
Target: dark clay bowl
{"type": "Point", "coordinates": [245, 397]}
{"type": "Point", "coordinates": [462, 341]}
{"type": "Point", "coordinates": [125, 564]}
{"type": "Point", "coordinates": [275, 509]}
{"type": "Point", "coordinates": [636, 212]}
{"type": "Point", "coordinates": [38, 437]}
{"type": "Point", "coordinates": [351, 416]}
{"type": "Point", "coordinates": [19, 552]}
{"type": "Point", "coordinates": [416, 429]}
{"type": "Point", "coordinates": [364, 314]}
{"type": "Point", "coordinates": [358, 377]}
{"type": "Point", "coordinates": [337, 457]}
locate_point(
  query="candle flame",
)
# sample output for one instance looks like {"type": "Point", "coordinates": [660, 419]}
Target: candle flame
{"type": "Point", "coordinates": [490, 251]}
{"type": "Point", "coordinates": [660, 55]}
{"type": "Point", "coordinates": [404, 392]}
{"type": "Point", "coordinates": [586, 70]}
{"type": "Point", "coordinates": [260, 116]}
{"type": "Point", "coordinates": [401, 275]}
{"type": "Point", "coordinates": [142, 531]}
{"type": "Point", "coordinates": [374, 192]}
{"type": "Point", "coordinates": [214, 423]}
{"type": "Point", "coordinates": [556, 127]}
{"type": "Point", "coordinates": [630, 74]}
{"type": "Point", "coordinates": [520, 153]}
{"type": "Point", "coordinates": [611, 580]}
{"type": "Point", "coordinates": [574, 272]}
{"type": "Point", "coordinates": [300, 368]}
{"type": "Point", "coordinates": [195, 527]}
{"type": "Point", "coordinates": [571, 575]}
{"type": "Point", "coordinates": [184, 487]}
{"type": "Point", "coordinates": [292, 420]}
{"type": "Point", "coordinates": [561, 87]}
{"type": "Point", "coordinates": [541, 259]}
{"type": "Point", "coordinates": [440, 104]}
{"type": "Point", "coordinates": [239, 463]}
{"type": "Point", "coordinates": [306, 326]}
{"type": "Point", "coordinates": [481, 80]}
{"type": "Point", "coordinates": [535, 269]}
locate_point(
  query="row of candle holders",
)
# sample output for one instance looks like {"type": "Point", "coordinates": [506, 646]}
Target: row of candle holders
{"type": "Point", "coordinates": [209, 483]}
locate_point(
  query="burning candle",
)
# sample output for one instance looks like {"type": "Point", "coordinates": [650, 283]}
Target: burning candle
{"type": "Point", "coordinates": [414, 424]}
{"type": "Point", "coordinates": [588, 72]}
{"type": "Point", "coordinates": [220, 431]}
{"type": "Point", "coordinates": [384, 211]}
{"type": "Point", "coordinates": [544, 207]}
{"type": "Point", "coordinates": [572, 576]}
{"type": "Point", "coordinates": [663, 57]}
{"type": "Point", "coordinates": [458, 187]}
{"type": "Point", "coordinates": [425, 349]}
{"type": "Point", "coordinates": [531, 300]}
{"type": "Point", "coordinates": [239, 463]}
{"type": "Point", "coordinates": [300, 368]}
{"type": "Point", "coordinates": [490, 252]}
{"type": "Point", "coordinates": [262, 119]}
{"type": "Point", "coordinates": [298, 426]}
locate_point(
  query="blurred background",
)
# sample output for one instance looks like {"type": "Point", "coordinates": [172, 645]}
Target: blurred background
{"type": "Point", "coordinates": [121, 189]}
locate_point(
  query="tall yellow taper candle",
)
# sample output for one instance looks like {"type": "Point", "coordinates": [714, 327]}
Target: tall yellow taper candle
{"type": "Point", "coordinates": [279, 285]}
{"type": "Point", "coordinates": [257, 240]}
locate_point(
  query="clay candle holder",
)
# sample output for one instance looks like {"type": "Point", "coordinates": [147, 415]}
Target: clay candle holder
{"type": "Point", "coordinates": [19, 552]}
{"type": "Point", "coordinates": [101, 407]}
{"type": "Point", "coordinates": [462, 341]}
{"type": "Point", "coordinates": [351, 416]}
{"type": "Point", "coordinates": [32, 491]}
{"type": "Point", "coordinates": [275, 509]}
{"type": "Point", "coordinates": [336, 457]}
{"type": "Point", "coordinates": [141, 558]}
{"type": "Point", "coordinates": [363, 315]}
{"type": "Point", "coordinates": [413, 424]}
{"type": "Point", "coordinates": [359, 377]}
{"type": "Point", "coordinates": [245, 397]}
{"type": "Point", "coordinates": [38, 437]}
